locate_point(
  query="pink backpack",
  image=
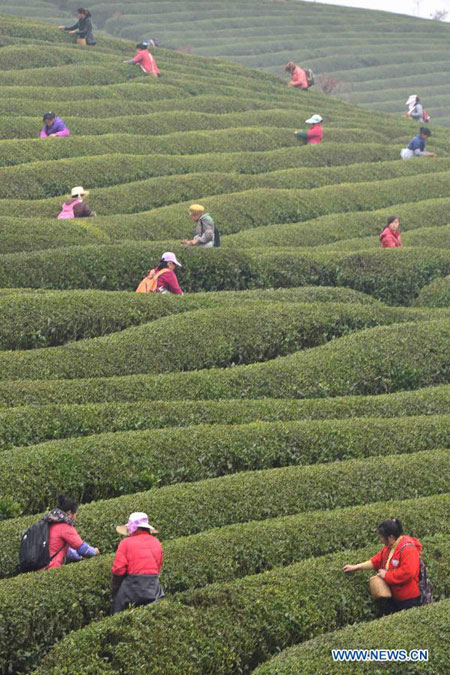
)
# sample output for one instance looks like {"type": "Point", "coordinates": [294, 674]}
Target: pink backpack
{"type": "Point", "coordinates": [67, 210]}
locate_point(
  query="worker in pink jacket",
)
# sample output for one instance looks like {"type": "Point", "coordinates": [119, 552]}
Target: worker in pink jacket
{"type": "Point", "coordinates": [145, 59]}
{"type": "Point", "coordinates": [298, 76]}
{"type": "Point", "coordinates": [390, 237]}
{"type": "Point", "coordinates": [53, 126]}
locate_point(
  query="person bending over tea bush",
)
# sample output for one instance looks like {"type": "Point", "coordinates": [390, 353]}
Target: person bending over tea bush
{"type": "Point", "coordinates": [206, 232]}
{"type": "Point", "coordinates": [75, 207]}
{"type": "Point", "coordinates": [82, 28]}
{"type": "Point", "coordinates": [144, 58]}
{"type": "Point", "coordinates": [399, 568]}
{"type": "Point", "coordinates": [314, 134]}
{"type": "Point", "coordinates": [53, 126]}
{"type": "Point", "coordinates": [54, 540]}
{"type": "Point", "coordinates": [137, 565]}
{"type": "Point", "coordinates": [162, 278]}
{"type": "Point", "coordinates": [298, 76]}
{"type": "Point", "coordinates": [416, 148]}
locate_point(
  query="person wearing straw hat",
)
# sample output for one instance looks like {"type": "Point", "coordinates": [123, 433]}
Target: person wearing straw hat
{"type": "Point", "coordinates": [76, 207]}
{"type": "Point", "coordinates": [137, 565]}
{"type": "Point", "coordinates": [314, 134]}
{"type": "Point", "coordinates": [206, 233]}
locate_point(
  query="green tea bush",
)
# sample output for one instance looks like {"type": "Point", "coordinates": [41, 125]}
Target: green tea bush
{"type": "Point", "coordinates": [31, 424]}
{"type": "Point", "coordinates": [236, 625]}
{"type": "Point", "coordinates": [374, 361]}
{"type": "Point", "coordinates": [423, 628]}
{"type": "Point", "coordinates": [20, 235]}
{"type": "Point", "coordinates": [185, 509]}
{"type": "Point", "coordinates": [205, 338]}
{"type": "Point", "coordinates": [62, 76]}
{"type": "Point", "coordinates": [341, 227]}
{"type": "Point", "coordinates": [436, 294]}
{"type": "Point", "coordinates": [108, 465]}
{"type": "Point", "coordinates": [42, 318]}
{"type": "Point", "coordinates": [397, 282]}
{"type": "Point", "coordinates": [195, 142]}
{"type": "Point", "coordinates": [40, 180]}
{"type": "Point", "coordinates": [193, 562]}
{"type": "Point", "coordinates": [168, 121]}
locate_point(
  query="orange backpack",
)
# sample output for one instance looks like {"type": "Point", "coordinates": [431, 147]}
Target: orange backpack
{"type": "Point", "coordinates": [148, 285]}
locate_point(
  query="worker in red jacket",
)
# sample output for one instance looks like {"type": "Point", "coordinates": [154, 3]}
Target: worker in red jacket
{"type": "Point", "coordinates": [145, 60]}
{"type": "Point", "coordinates": [390, 237]}
{"type": "Point", "coordinates": [398, 563]}
{"type": "Point", "coordinates": [137, 564]}
{"type": "Point", "coordinates": [314, 134]}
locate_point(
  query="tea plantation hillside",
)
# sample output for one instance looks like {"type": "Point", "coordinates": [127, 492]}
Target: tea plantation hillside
{"type": "Point", "coordinates": [375, 58]}
{"type": "Point", "coordinates": [296, 395]}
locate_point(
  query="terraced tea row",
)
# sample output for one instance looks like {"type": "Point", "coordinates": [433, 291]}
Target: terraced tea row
{"type": "Point", "coordinates": [425, 625]}
{"type": "Point", "coordinates": [370, 362]}
{"type": "Point", "coordinates": [232, 552]}
{"type": "Point", "coordinates": [108, 465]}
{"type": "Point", "coordinates": [185, 509]}
{"type": "Point", "coordinates": [32, 424]}
{"type": "Point", "coordinates": [247, 620]}
{"type": "Point", "coordinates": [97, 404]}
{"type": "Point", "coordinates": [269, 35]}
{"type": "Point", "coordinates": [119, 267]}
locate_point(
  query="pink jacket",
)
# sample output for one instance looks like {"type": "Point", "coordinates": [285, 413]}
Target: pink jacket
{"type": "Point", "coordinates": [390, 239]}
{"type": "Point", "coordinates": [299, 78]}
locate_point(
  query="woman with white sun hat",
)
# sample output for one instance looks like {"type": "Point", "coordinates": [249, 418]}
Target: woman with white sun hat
{"type": "Point", "coordinates": [314, 134]}
{"type": "Point", "coordinates": [137, 564]}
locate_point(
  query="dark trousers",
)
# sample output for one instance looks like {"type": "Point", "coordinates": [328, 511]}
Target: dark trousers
{"type": "Point", "coordinates": [137, 590]}
{"type": "Point", "coordinates": [390, 606]}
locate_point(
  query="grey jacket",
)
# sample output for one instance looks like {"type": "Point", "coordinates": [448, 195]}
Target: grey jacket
{"type": "Point", "coordinates": [204, 231]}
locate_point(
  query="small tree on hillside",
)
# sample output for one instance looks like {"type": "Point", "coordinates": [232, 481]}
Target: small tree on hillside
{"type": "Point", "coordinates": [327, 83]}
{"type": "Point", "coordinates": [439, 15]}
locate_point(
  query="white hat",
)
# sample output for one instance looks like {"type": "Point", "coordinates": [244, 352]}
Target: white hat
{"type": "Point", "coordinates": [170, 257]}
{"type": "Point", "coordinates": [315, 119]}
{"type": "Point", "coordinates": [78, 191]}
{"type": "Point", "coordinates": [136, 520]}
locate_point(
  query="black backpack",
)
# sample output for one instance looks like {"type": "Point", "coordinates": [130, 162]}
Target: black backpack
{"type": "Point", "coordinates": [216, 233]}
{"type": "Point", "coordinates": [34, 551]}
{"type": "Point", "coordinates": [425, 587]}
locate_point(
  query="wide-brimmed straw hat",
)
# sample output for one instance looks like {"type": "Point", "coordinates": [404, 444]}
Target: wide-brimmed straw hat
{"type": "Point", "coordinates": [136, 520]}
{"type": "Point", "coordinates": [315, 119]}
{"type": "Point", "coordinates": [76, 191]}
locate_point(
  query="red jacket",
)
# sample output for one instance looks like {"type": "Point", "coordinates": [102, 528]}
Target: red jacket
{"type": "Point", "coordinates": [298, 78]}
{"type": "Point", "coordinates": [168, 283]}
{"type": "Point", "coordinates": [140, 553]}
{"type": "Point", "coordinates": [61, 537]}
{"type": "Point", "coordinates": [315, 134]}
{"type": "Point", "coordinates": [390, 239]}
{"type": "Point", "coordinates": [403, 570]}
{"type": "Point", "coordinates": [146, 61]}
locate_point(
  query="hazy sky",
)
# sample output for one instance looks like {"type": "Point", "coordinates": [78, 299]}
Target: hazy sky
{"type": "Point", "coordinates": [422, 8]}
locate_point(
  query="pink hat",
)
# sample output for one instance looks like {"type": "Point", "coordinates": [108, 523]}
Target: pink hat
{"type": "Point", "coordinates": [137, 519]}
{"type": "Point", "coordinates": [170, 257]}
